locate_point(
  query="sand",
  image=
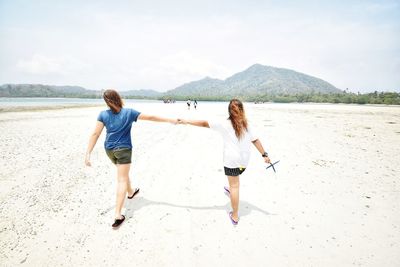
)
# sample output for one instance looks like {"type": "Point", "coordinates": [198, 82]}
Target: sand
{"type": "Point", "coordinates": [334, 201]}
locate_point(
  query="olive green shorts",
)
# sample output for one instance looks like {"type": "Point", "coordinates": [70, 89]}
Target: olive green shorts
{"type": "Point", "coordinates": [120, 155]}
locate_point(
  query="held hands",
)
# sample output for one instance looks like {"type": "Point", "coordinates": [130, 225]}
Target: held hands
{"type": "Point", "coordinates": [174, 121]}
{"type": "Point", "coordinates": [182, 121]}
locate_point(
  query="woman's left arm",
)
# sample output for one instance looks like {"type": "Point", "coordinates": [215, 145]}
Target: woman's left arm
{"type": "Point", "coordinates": [156, 118]}
{"type": "Point", "coordinates": [260, 148]}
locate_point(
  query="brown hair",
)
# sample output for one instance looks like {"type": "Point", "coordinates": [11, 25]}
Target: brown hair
{"type": "Point", "coordinates": [113, 100]}
{"type": "Point", "coordinates": [237, 117]}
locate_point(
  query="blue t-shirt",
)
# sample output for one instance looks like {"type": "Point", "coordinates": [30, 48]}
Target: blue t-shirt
{"type": "Point", "coordinates": [118, 127]}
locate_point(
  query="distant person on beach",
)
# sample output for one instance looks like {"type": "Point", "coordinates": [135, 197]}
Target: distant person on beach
{"type": "Point", "coordinates": [195, 104]}
{"type": "Point", "coordinates": [118, 122]}
{"type": "Point", "coordinates": [188, 103]}
{"type": "Point", "coordinates": [237, 137]}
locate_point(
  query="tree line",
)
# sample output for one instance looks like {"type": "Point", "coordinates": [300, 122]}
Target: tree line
{"type": "Point", "coordinates": [387, 98]}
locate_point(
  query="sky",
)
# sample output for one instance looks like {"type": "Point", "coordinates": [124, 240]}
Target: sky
{"type": "Point", "coordinates": [161, 45]}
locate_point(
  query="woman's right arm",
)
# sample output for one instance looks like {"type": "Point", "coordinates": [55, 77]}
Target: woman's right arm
{"type": "Point", "coordinates": [199, 123]}
{"type": "Point", "coordinates": [155, 118]}
{"type": "Point", "coordinates": [93, 140]}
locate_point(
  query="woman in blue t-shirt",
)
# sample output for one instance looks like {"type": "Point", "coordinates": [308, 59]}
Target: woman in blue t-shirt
{"type": "Point", "coordinates": [118, 145]}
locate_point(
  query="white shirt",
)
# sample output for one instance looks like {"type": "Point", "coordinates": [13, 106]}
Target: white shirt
{"type": "Point", "coordinates": [236, 152]}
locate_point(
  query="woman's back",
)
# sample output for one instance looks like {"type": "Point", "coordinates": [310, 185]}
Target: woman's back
{"type": "Point", "coordinates": [236, 150]}
{"type": "Point", "coordinates": [118, 127]}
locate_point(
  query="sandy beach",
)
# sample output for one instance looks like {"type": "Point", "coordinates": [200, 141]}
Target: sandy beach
{"type": "Point", "coordinates": [334, 200]}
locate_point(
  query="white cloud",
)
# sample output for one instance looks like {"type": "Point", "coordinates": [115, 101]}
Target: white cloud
{"type": "Point", "coordinates": [188, 65]}
{"type": "Point", "coordinates": [133, 46]}
{"type": "Point", "coordinates": [39, 64]}
{"type": "Point", "coordinates": [42, 65]}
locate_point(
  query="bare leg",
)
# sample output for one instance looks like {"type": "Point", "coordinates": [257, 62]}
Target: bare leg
{"type": "Point", "coordinates": [234, 195]}
{"type": "Point", "coordinates": [129, 189]}
{"type": "Point", "coordinates": [122, 187]}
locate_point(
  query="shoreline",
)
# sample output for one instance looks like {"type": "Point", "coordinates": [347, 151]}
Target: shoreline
{"type": "Point", "coordinates": [44, 108]}
{"type": "Point", "coordinates": [97, 101]}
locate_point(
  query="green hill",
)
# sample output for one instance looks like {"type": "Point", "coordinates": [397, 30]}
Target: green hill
{"type": "Point", "coordinates": [143, 93]}
{"type": "Point", "coordinates": [255, 81]}
{"type": "Point", "coordinates": [40, 90]}
{"type": "Point", "coordinates": [258, 80]}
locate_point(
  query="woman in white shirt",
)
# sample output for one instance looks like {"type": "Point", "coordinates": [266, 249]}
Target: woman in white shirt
{"type": "Point", "coordinates": [238, 137]}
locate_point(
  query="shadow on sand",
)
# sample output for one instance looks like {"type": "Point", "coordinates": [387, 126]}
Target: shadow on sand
{"type": "Point", "coordinates": [245, 208]}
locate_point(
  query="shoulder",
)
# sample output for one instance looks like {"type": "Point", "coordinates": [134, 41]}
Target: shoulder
{"type": "Point", "coordinates": [250, 125]}
{"type": "Point", "coordinates": [133, 113]}
{"type": "Point", "coordinates": [128, 110]}
{"type": "Point", "coordinates": [104, 113]}
{"type": "Point", "coordinates": [217, 124]}
{"type": "Point", "coordinates": [251, 132]}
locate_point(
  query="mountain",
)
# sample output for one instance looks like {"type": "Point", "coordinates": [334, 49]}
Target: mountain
{"type": "Point", "coordinates": [256, 80]}
{"type": "Point", "coordinates": [206, 86]}
{"type": "Point", "coordinates": [40, 90]}
{"type": "Point", "coordinates": [143, 93]}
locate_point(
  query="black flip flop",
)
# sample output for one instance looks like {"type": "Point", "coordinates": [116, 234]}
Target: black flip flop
{"type": "Point", "coordinates": [118, 222]}
{"type": "Point", "coordinates": [134, 193]}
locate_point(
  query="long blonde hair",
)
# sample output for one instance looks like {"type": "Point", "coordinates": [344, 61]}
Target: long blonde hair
{"type": "Point", "coordinates": [237, 117]}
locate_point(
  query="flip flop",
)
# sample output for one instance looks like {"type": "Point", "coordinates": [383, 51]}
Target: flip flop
{"type": "Point", "coordinates": [118, 222]}
{"type": "Point", "coordinates": [134, 193]}
{"type": "Point", "coordinates": [232, 220]}
{"type": "Point", "coordinates": [227, 190]}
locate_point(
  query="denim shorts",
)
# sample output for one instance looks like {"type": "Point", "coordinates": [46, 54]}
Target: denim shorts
{"type": "Point", "coordinates": [120, 155]}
